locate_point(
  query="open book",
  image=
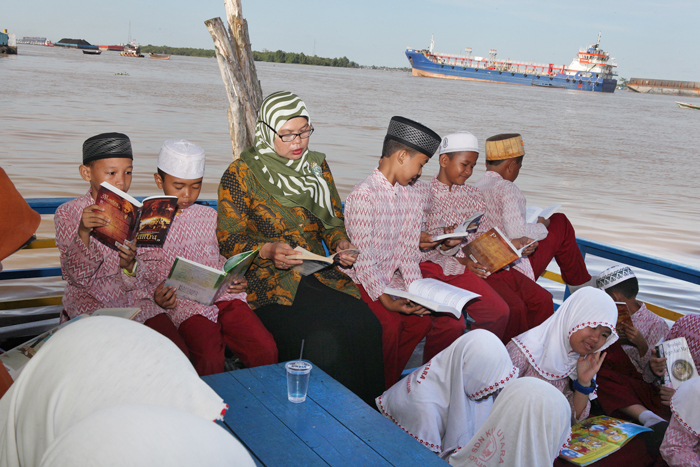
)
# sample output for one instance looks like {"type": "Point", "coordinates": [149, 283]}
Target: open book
{"type": "Point", "coordinates": [435, 295]}
{"type": "Point", "coordinates": [598, 437]}
{"type": "Point", "coordinates": [679, 361]}
{"type": "Point", "coordinates": [313, 262]}
{"type": "Point", "coordinates": [148, 221]}
{"type": "Point", "coordinates": [532, 213]}
{"type": "Point", "coordinates": [465, 228]}
{"type": "Point", "coordinates": [15, 359]}
{"type": "Point", "coordinates": [204, 284]}
{"type": "Point", "coordinates": [493, 250]}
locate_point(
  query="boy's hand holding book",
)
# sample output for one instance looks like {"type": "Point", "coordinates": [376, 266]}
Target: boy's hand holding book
{"type": "Point", "coordinates": [658, 364]}
{"type": "Point", "coordinates": [628, 332]}
{"type": "Point", "coordinates": [127, 255]}
{"type": "Point", "coordinates": [666, 394]}
{"type": "Point", "coordinates": [346, 260]}
{"type": "Point", "coordinates": [530, 245]}
{"type": "Point", "coordinates": [402, 305]}
{"type": "Point", "coordinates": [426, 242]}
{"type": "Point", "coordinates": [91, 218]}
{"type": "Point", "coordinates": [238, 286]}
{"type": "Point", "coordinates": [543, 221]}
{"type": "Point", "coordinates": [474, 266]}
{"type": "Point", "coordinates": [165, 296]}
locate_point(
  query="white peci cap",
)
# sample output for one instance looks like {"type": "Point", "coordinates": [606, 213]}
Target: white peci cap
{"type": "Point", "coordinates": [458, 142]}
{"type": "Point", "coordinates": [181, 159]}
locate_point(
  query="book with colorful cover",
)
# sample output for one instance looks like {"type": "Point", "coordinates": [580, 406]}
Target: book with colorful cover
{"type": "Point", "coordinates": [467, 227]}
{"type": "Point", "coordinates": [147, 221]}
{"type": "Point", "coordinates": [598, 437]}
{"type": "Point", "coordinates": [16, 358]}
{"type": "Point", "coordinates": [680, 366]}
{"type": "Point", "coordinates": [623, 314]}
{"type": "Point", "coordinates": [493, 250]}
{"type": "Point", "coordinates": [204, 284]}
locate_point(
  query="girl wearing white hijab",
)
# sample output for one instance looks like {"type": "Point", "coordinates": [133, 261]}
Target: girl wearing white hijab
{"type": "Point", "coordinates": [527, 427]}
{"type": "Point", "coordinates": [138, 435]}
{"type": "Point", "coordinates": [566, 349]}
{"type": "Point", "coordinates": [444, 402]}
{"type": "Point", "coordinates": [681, 444]}
{"type": "Point", "coordinates": [95, 363]}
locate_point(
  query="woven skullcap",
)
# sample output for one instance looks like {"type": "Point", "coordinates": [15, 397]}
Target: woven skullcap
{"type": "Point", "coordinates": [458, 142]}
{"type": "Point", "coordinates": [504, 146]}
{"type": "Point", "coordinates": [181, 159]}
{"type": "Point", "coordinates": [414, 135]}
{"type": "Point", "coordinates": [614, 275]}
{"type": "Point", "coordinates": [107, 146]}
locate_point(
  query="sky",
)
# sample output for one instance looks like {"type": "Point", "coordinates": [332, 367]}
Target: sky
{"type": "Point", "coordinates": [649, 39]}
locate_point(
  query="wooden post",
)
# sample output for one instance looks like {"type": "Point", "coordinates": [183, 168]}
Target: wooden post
{"type": "Point", "coordinates": [235, 58]}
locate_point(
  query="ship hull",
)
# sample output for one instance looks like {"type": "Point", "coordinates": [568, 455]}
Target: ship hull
{"type": "Point", "coordinates": [422, 66]}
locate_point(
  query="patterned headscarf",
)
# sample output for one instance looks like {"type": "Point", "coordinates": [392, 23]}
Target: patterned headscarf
{"type": "Point", "coordinates": [291, 182]}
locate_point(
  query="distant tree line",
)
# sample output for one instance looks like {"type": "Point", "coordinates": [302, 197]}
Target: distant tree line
{"type": "Point", "coordinates": [291, 57]}
{"type": "Point", "coordinates": [265, 56]}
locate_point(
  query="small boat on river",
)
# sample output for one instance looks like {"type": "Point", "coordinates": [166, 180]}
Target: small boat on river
{"type": "Point", "coordinates": [159, 56]}
{"type": "Point", "coordinates": [684, 105]}
{"type": "Point", "coordinates": [92, 52]}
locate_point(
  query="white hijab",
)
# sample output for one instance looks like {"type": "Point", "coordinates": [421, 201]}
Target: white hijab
{"type": "Point", "coordinates": [138, 435]}
{"type": "Point", "coordinates": [685, 407]}
{"type": "Point", "coordinates": [547, 346]}
{"type": "Point", "coordinates": [437, 403]}
{"type": "Point", "coordinates": [529, 424]}
{"type": "Point", "coordinates": [90, 365]}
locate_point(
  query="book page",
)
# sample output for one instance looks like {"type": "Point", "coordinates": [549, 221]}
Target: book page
{"type": "Point", "coordinates": [440, 292]}
{"type": "Point", "coordinates": [422, 301]}
{"type": "Point", "coordinates": [437, 238]}
{"type": "Point", "coordinates": [126, 313]}
{"type": "Point", "coordinates": [194, 281]}
{"type": "Point", "coordinates": [471, 224]}
{"type": "Point", "coordinates": [532, 213]}
{"type": "Point", "coordinates": [307, 255]}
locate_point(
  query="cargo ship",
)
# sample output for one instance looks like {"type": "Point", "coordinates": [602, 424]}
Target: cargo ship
{"type": "Point", "coordinates": [664, 86]}
{"type": "Point", "coordinates": [592, 70]}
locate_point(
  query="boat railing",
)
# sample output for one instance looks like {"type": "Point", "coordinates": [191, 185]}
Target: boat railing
{"type": "Point", "coordinates": [47, 206]}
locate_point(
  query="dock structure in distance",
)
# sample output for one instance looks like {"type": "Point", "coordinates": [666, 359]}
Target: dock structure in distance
{"type": "Point", "coordinates": [664, 86]}
{"type": "Point", "coordinates": [8, 43]}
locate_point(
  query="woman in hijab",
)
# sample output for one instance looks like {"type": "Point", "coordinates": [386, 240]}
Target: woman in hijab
{"type": "Point", "coordinates": [566, 349]}
{"type": "Point", "coordinates": [444, 402]}
{"type": "Point", "coordinates": [681, 444]}
{"type": "Point", "coordinates": [96, 363]}
{"type": "Point", "coordinates": [278, 196]}
{"type": "Point", "coordinates": [528, 426]}
{"type": "Point", "coordinates": [140, 435]}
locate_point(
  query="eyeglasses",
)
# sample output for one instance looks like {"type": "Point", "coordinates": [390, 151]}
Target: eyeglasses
{"type": "Point", "coordinates": [289, 137]}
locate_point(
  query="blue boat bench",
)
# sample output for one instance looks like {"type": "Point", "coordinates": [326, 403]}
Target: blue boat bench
{"type": "Point", "coordinates": [332, 427]}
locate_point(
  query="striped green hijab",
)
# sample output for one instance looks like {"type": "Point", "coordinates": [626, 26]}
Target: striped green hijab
{"type": "Point", "coordinates": [291, 182]}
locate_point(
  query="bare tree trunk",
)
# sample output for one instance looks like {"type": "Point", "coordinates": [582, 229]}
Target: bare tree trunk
{"type": "Point", "coordinates": [235, 58]}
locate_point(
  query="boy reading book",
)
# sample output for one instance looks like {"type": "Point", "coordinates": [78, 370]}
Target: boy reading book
{"type": "Point", "coordinates": [96, 275]}
{"type": "Point", "coordinates": [449, 202]}
{"type": "Point", "coordinates": [506, 209]}
{"type": "Point", "coordinates": [383, 216]}
{"type": "Point", "coordinates": [626, 380]}
{"type": "Point", "coordinates": [203, 330]}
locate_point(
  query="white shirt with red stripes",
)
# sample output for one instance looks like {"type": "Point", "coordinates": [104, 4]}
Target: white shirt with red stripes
{"type": "Point", "coordinates": [384, 222]}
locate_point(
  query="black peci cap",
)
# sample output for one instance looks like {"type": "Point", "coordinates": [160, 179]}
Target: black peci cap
{"type": "Point", "coordinates": [414, 135]}
{"type": "Point", "coordinates": [106, 146]}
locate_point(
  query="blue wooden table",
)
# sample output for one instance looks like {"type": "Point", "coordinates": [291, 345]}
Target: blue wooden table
{"type": "Point", "coordinates": [332, 427]}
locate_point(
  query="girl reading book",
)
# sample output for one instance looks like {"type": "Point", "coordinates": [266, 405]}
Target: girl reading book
{"type": "Point", "coordinates": [444, 402]}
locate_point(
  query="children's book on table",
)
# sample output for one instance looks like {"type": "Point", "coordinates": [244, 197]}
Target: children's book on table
{"type": "Point", "coordinates": [598, 437]}
{"type": "Point", "coordinates": [15, 359]}
{"type": "Point", "coordinates": [204, 284]}
{"type": "Point", "coordinates": [148, 222]}
{"type": "Point", "coordinates": [435, 295]}
{"type": "Point", "coordinates": [680, 366]}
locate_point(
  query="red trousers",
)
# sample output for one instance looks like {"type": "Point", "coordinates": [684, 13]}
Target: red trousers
{"type": "Point", "coordinates": [560, 245]}
{"type": "Point", "coordinates": [239, 328]}
{"type": "Point", "coordinates": [401, 333]}
{"type": "Point", "coordinates": [489, 311]}
{"type": "Point", "coordinates": [164, 325]}
{"type": "Point", "coordinates": [530, 304]}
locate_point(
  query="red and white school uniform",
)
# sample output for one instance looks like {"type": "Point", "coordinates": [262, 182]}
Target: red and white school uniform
{"type": "Point", "coordinates": [205, 330]}
{"type": "Point", "coordinates": [384, 222]}
{"type": "Point", "coordinates": [681, 444]}
{"type": "Point", "coordinates": [444, 207]}
{"type": "Point", "coordinates": [93, 277]}
{"type": "Point", "coordinates": [625, 378]}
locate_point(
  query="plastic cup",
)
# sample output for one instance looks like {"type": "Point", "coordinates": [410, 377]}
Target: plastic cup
{"type": "Point", "coordinates": [298, 373]}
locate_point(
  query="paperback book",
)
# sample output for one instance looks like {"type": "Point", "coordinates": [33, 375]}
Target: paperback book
{"type": "Point", "coordinates": [467, 227]}
{"type": "Point", "coordinates": [623, 314]}
{"type": "Point", "coordinates": [148, 222]}
{"type": "Point", "coordinates": [435, 295]}
{"type": "Point", "coordinates": [313, 262]}
{"type": "Point", "coordinates": [204, 284]}
{"type": "Point", "coordinates": [533, 213]}
{"type": "Point", "coordinates": [493, 250]}
{"type": "Point", "coordinates": [598, 437]}
{"type": "Point", "coordinates": [680, 366]}
{"type": "Point", "coordinates": [15, 359]}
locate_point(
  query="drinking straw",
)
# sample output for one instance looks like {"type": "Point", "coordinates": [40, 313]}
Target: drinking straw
{"type": "Point", "coordinates": [302, 349]}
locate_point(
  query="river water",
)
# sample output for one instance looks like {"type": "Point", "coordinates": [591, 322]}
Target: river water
{"type": "Point", "coordinates": [625, 166]}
